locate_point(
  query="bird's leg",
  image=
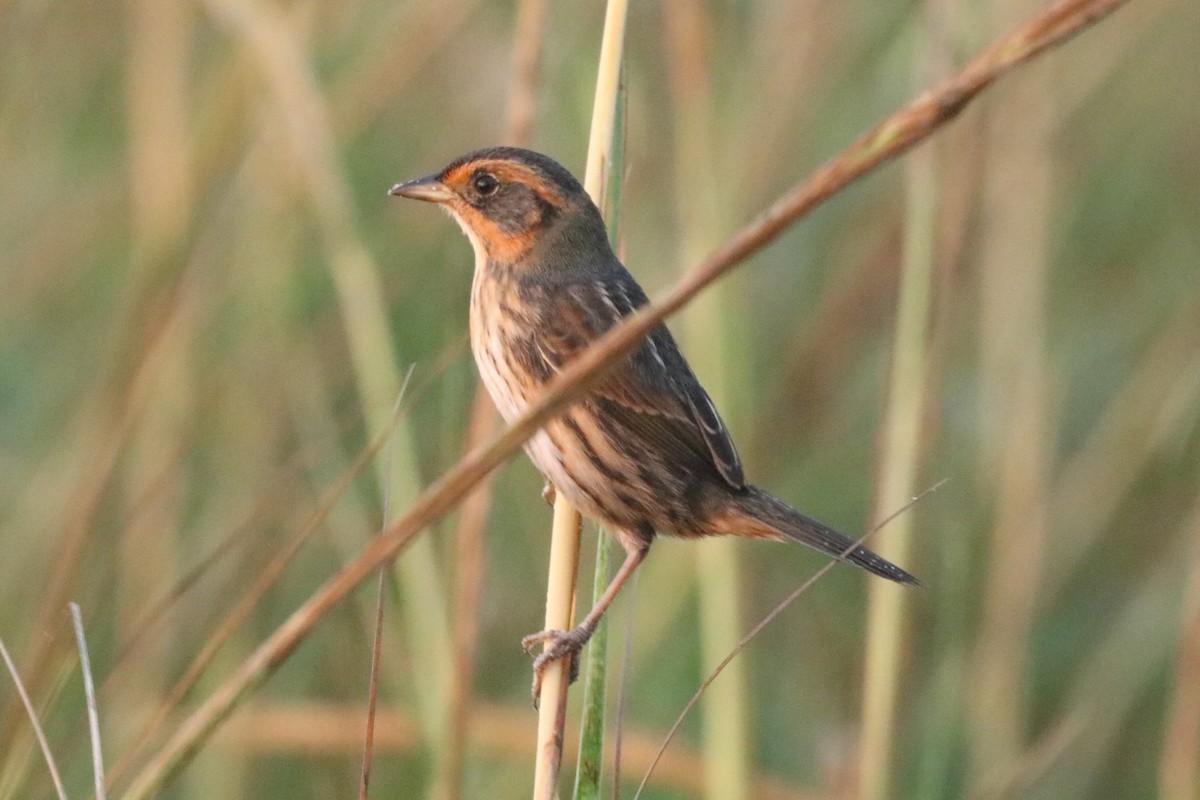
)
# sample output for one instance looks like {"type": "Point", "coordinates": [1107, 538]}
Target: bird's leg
{"type": "Point", "coordinates": [560, 644]}
{"type": "Point", "coordinates": [548, 493]}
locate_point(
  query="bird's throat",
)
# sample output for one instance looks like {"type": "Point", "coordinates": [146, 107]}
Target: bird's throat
{"type": "Point", "coordinates": [489, 240]}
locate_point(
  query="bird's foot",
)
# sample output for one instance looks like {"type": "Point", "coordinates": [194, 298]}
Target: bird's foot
{"type": "Point", "coordinates": [549, 494]}
{"type": "Point", "coordinates": [558, 644]}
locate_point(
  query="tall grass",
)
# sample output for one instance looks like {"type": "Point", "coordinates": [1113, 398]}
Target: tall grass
{"type": "Point", "coordinates": [901, 445]}
{"type": "Point", "coordinates": [206, 300]}
{"type": "Point", "coordinates": [712, 343]}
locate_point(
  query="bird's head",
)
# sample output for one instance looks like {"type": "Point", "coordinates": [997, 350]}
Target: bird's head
{"type": "Point", "coordinates": [505, 199]}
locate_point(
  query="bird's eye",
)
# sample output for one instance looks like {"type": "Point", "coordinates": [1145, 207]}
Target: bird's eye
{"type": "Point", "coordinates": [485, 184]}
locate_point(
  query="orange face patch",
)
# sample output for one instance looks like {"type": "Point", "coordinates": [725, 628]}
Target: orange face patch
{"type": "Point", "coordinates": [499, 244]}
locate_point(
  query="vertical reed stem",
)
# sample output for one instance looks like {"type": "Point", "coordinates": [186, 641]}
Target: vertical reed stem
{"type": "Point", "coordinates": [564, 545]}
{"type": "Point", "coordinates": [707, 333]}
{"type": "Point", "coordinates": [1015, 419]}
{"type": "Point", "coordinates": [560, 603]}
{"type": "Point", "coordinates": [897, 466]}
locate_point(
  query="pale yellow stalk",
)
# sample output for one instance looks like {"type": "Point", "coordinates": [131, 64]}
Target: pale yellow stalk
{"type": "Point", "coordinates": [564, 544]}
{"type": "Point", "coordinates": [1015, 418]}
{"type": "Point", "coordinates": [898, 461]}
{"type": "Point", "coordinates": [706, 337]}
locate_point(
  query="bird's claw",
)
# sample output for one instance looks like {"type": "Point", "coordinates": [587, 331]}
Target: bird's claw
{"type": "Point", "coordinates": [558, 644]}
{"type": "Point", "coordinates": [534, 639]}
{"type": "Point", "coordinates": [549, 494]}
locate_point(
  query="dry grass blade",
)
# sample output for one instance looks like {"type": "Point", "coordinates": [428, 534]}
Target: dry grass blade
{"type": "Point", "coordinates": [902, 436]}
{"type": "Point", "coordinates": [779, 608]}
{"type": "Point", "coordinates": [501, 734]}
{"type": "Point", "coordinates": [1179, 764]}
{"type": "Point", "coordinates": [705, 332]}
{"type": "Point", "coordinates": [368, 750]}
{"type": "Point", "coordinates": [51, 767]}
{"type": "Point", "coordinates": [469, 555]}
{"type": "Point", "coordinates": [224, 549]}
{"type": "Point", "coordinates": [1109, 686]}
{"type": "Point", "coordinates": [1156, 399]}
{"type": "Point", "coordinates": [394, 59]}
{"type": "Point", "coordinates": [886, 141]}
{"type": "Point", "coordinates": [114, 421]}
{"type": "Point", "coordinates": [377, 638]}
{"type": "Point", "coordinates": [238, 614]}
{"type": "Point", "coordinates": [1016, 419]}
{"type": "Point", "coordinates": [622, 696]}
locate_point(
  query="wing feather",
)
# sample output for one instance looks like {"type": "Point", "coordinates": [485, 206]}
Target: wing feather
{"type": "Point", "coordinates": [653, 395]}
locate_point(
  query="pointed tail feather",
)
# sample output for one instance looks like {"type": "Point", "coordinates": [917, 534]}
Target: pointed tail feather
{"type": "Point", "coordinates": [760, 515]}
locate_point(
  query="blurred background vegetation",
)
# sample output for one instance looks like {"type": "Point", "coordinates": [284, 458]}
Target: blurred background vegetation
{"type": "Point", "coordinates": [208, 306]}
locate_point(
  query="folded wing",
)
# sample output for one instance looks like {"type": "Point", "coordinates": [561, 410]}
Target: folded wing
{"type": "Point", "coordinates": [653, 394]}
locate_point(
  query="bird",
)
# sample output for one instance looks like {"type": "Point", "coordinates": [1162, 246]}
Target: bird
{"type": "Point", "coordinates": [644, 452]}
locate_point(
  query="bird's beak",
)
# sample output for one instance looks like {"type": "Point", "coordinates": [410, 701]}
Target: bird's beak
{"type": "Point", "coordinates": [428, 188]}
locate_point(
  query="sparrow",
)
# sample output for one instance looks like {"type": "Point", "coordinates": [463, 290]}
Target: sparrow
{"type": "Point", "coordinates": [643, 453]}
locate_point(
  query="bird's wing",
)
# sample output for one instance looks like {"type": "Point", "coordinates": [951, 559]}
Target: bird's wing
{"type": "Point", "coordinates": [652, 394]}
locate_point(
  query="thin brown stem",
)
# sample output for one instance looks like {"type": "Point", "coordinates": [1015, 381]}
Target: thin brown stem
{"type": "Point", "coordinates": [364, 783]}
{"type": "Point", "coordinates": [235, 616]}
{"type": "Point", "coordinates": [47, 753]}
{"type": "Point", "coordinates": [469, 568]}
{"type": "Point", "coordinates": [1179, 764]}
{"type": "Point", "coordinates": [779, 608]}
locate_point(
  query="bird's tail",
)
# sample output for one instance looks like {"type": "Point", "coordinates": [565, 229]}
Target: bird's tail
{"type": "Point", "coordinates": [757, 514]}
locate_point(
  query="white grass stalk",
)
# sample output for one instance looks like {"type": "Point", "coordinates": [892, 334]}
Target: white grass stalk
{"type": "Point", "coordinates": [89, 692]}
